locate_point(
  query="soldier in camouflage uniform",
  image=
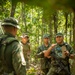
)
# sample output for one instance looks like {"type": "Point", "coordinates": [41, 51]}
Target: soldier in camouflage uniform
{"type": "Point", "coordinates": [60, 61]}
{"type": "Point", "coordinates": [45, 62]}
{"type": "Point", "coordinates": [11, 53]}
{"type": "Point", "coordinates": [26, 48]}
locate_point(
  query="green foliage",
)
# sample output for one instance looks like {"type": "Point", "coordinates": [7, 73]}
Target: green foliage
{"type": "Point", "coordinates": [47, 4]}
{"type": "Point", "coordinates": [31, 71]}
{"type": "Point", "coordinates": [39, 17]}
{"type": "Point", "coordinates": [36, 20]}
{"type": "Point", "coordinates": [5, 10]}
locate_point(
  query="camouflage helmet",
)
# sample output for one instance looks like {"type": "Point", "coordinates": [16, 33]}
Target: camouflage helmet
{"type": "Point", "coordinates": [46, 36]}
{"type": "Point", "coordinates": [10, 22]}
{"type": "Point", "coordinates": [24, 36]}
{"type": "Point", "coordinates": [59, 34]}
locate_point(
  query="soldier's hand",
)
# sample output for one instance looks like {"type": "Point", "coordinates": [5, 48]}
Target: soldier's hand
{"type": "Point", "coordinates": [47, 52]}
{"type": "Point", "coordinates": [72, 56]}
{"type": "Point", "coordinates": [49, 57]}
{"type": "Point", "coordinates": [52, 46]}
{"type": "Point", "coordinates": [66, 53]}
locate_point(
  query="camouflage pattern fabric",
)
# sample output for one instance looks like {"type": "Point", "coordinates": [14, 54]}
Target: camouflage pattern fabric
{"type": "Point", "coordinates": [45, 62]}
{"type": "Point", "coordinates": [14, 63]}
{"type": "Point", "coordinates": [59, 51]}
{"type": "Point", "coordinates": [54, 71]}
{"type": "Point", "coordinates": [26, 52]}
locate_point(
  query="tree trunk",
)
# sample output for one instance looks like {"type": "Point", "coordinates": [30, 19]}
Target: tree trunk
{"type": "Point", "coordinates": [74, 30]}
{"type": "Point", "coordinates": [42, 30]}
{"type": "Point", "coordinates": [37, 28]}
{"type": "Point", "coordinates": [13, 7]}
{"type": "Point", "coordinates": [66, 24]}
{"type": "Point", "coordinates": [73, 65]}
{"type": "Point", "coordinates": [70, 39]}
{"type": "Point", "coordinates": [24, 17]}
{"type": "Point", "coordinates": [50, 29]}
{"type": "Point", "coordinates": [55, 22]}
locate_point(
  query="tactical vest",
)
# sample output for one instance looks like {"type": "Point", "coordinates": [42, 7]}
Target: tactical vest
{"type": "Point", "coordinates": [6, 55]}
{"type": "Point", "coordinates": [59, 54]}
{"type": "Point", "coordinates": [45, 62]}
{"type": "Point", "coordinates": [60, 50]}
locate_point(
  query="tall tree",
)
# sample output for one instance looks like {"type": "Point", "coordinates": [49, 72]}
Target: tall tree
{"type": "Point", "coordinates": [55, 22]}
{"type": "Point", "coordinates": [66, 23]}
{"type": "Point", "coordinates": [24, 16]}
{"type": "Point", "coordinates": [74, 29]}
{"type": "Point", "coordinates": [50, 28]}
{"type": "Point", "coordinates": [13, 7]}
{"type": "Point", "coordinates": [71, 28]}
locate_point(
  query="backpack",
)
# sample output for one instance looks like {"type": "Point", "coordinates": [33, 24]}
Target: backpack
{"type": "Point", "coordinates": [5, 41]}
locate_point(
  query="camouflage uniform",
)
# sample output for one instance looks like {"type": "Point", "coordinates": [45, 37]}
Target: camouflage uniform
{"type": "Point", "coordinates": [26, 52]}
{"type": "Point", "coordinates": [45, 62]}
{"type": "Point", "coordinates": [55, 69]}
{"type": "Point", "coordinates": [12, 58]}
{"type": "Point", "coordinates": [26, 48]}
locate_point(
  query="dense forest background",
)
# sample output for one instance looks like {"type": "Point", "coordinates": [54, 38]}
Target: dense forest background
{"type": "Point", "coordinates": [37, 17]}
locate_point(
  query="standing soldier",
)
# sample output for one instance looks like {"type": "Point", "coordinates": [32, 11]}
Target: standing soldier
{"type": "Point", "coordinates": [11, 53]}
{"type": "Point", "coordinates": [45, 62]}
{"type": "Point", "coordinates": [60, 54]}
{"type": "Point", "coordinates": [26, 48]}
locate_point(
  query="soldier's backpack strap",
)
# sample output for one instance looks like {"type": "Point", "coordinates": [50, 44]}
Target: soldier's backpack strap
{"type": "Point", "coordinates": [5, 43]}
{"type": "Point", "coordinates": [2, 37]}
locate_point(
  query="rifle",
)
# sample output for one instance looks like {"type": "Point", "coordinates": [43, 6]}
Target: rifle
{"type": "Point", "coordinates": [60, 64]}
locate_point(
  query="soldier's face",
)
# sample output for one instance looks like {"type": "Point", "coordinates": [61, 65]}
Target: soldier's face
{"type": "Point", "coordinates": [59, 39]}
{"type": "Point", "coordinates": [46, 40]}
{"type": "Point", "coordinates": [24, 40]}
{"type": "Point", "coordinates": [15, 31]}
